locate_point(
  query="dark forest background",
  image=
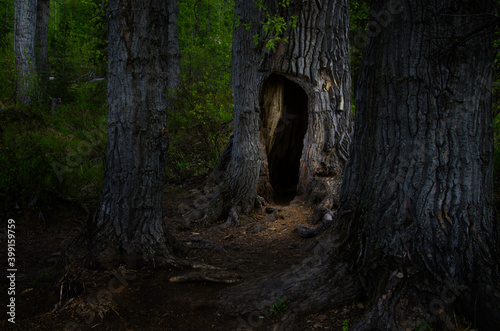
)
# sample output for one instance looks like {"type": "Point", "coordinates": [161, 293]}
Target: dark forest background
{"type": "Point", "coordinates": [54, 150]}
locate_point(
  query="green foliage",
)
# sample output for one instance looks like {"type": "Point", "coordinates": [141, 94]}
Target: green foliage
{"type": "Point", "coordinates": [46, 155]}
{"type": "Point", "coordinates": [6, 23]}
{"type": "Point", "coordinates": [275, 26]}
{"type": "Point", "coordinates": [77, 45]}
{"type": "Point", "coordinates": [7, 75]}
{"type": "Point", "coordinates": [280, 306]}
{"type": "Point", "coordinates": [199, 126]}
{"type": "Point", "coordinates": [27, 174]}
{"type": "Point", "coordinates": [359, 18]}
{"type": "Point", "coordinates": [345, 325]}
{"type": "Point", "coordinates": [42, 278]}
{"type": "Point", "coordinates": [205, 37]}
{"type": "Point", "coordinates": [424, 326]}
{"type": "Point", "coordinates": [201, 110]}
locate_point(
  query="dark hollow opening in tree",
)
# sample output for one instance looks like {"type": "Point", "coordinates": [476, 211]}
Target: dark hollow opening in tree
{"type": "Point", "coordinates": [284, 120]}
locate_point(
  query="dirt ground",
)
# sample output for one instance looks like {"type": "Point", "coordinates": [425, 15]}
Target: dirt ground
{"type": "Point", "coordinates": [81, 299]}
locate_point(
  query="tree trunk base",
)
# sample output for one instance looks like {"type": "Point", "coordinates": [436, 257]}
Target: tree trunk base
{"type": "Point", "coordinates": [396, 300]}
{"type": "Point", "coordinates": [166, 253]}
{"type": "Point", "coordinates": [208, 209]}
{"type": "Point", "coordinates": [317, 281]}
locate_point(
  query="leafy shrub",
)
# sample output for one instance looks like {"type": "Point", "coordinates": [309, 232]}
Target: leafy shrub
{"type": "Point", "coordinates": [26, 172]}
{"type": "Point", "coordinates": [201, 111]}
{"type": "Point", "coordinates": [199, 126]}
{"type": "Point", "coordinates": [44, 157]}
{"type": "Point", "coordinates": [280, 306]}
{"type": "Point", "coordinates": [7, 75]}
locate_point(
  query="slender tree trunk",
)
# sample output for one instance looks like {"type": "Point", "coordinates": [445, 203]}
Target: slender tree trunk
{"type": "Point", "coordinates": [292, 108]}
{"type": "Point", "coordinates": [415, 234]}
{"type": "Point", "coordinates": [238, 169]}
{"type": "Point", "coordinates": [42, 34]}
{"type": "Point", "coordinates": [128, 227]}
{"type": "Point", "coordinates": [24, 47]}
{"type": "Point", "coordinates": [243, 160]}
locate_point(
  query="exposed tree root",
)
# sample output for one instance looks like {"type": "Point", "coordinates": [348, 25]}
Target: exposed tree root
{"type": "Point", "coordinates": [168, 252]}
{"type": "Point", "coordinates": [311, 284]}
{"type": "Point", "coordinates": [417, 301]}
{"type": "Point", "coordinates": [208, 276]}
{"type": "Point", "coordinates": [273, 215]}
{"type": "Point", "coordinates": [211, 208]}
{"type": "Point", "coordinates": [393, 311]}
{"type": "Point", "coordinates": [206, 243]}
{"type": "Point", "coordinates": [397, 298]}
{"type": "Point", "coordinates": [321, 281]}
{"type": "Point", "coordinates": [232, 220]}
{"type": "Point", "coordinates": [327, 221]}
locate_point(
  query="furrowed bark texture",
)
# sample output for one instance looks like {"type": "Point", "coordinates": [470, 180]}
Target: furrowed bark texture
{"type": "Point", "coordinates": [128, 227]}
{"type": "Point", "coordinates": [42, 34]}
{"type": "Point", "coordinates": [418, 188]}
{"type": "Point", "coordinates": [320, 280]}
{"type": "Point", "coordinates": [238, 171]}
{"type": "Point", "coordinates": [316, 58]}
{"type": "Point", "coordinates": [24, 47]}
{"type": "Point", "coordinates": [292, 108]}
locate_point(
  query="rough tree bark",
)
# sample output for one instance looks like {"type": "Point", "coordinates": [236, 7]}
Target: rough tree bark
{"type": "Point", "coordinates": [242, 158]}
{"type": "Point", "coordinates": [41, 41]}
{"type": "Point", "coordinates": [416, 234]}
{"type": "Point", "coordinates": [128, 227]}
{"type": "Point", "coordinates": [292, 109]}
{"type": "Point", "coordinates": [174, 53]}
{"type": "Point", "coordinates": [420, 187]}
{"type": "Point", "coordinates": [24, 47]}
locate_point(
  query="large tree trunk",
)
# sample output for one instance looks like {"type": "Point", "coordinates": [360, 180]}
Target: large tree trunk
{"type": "Point", "coordinates": [42, 34]}
{"type": "Point", "coordinates": [305, 103]}
{"type": "Point", "coordinates": [128, 227]}
{"type": "Point", "coordinates": [292, 108]}
{"type": "Point", "coordinates": [416, 235]}
{"type": "Point", "coordinates": [420, 186]}
{"type": "Point", "coordinates": [24, 47]}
